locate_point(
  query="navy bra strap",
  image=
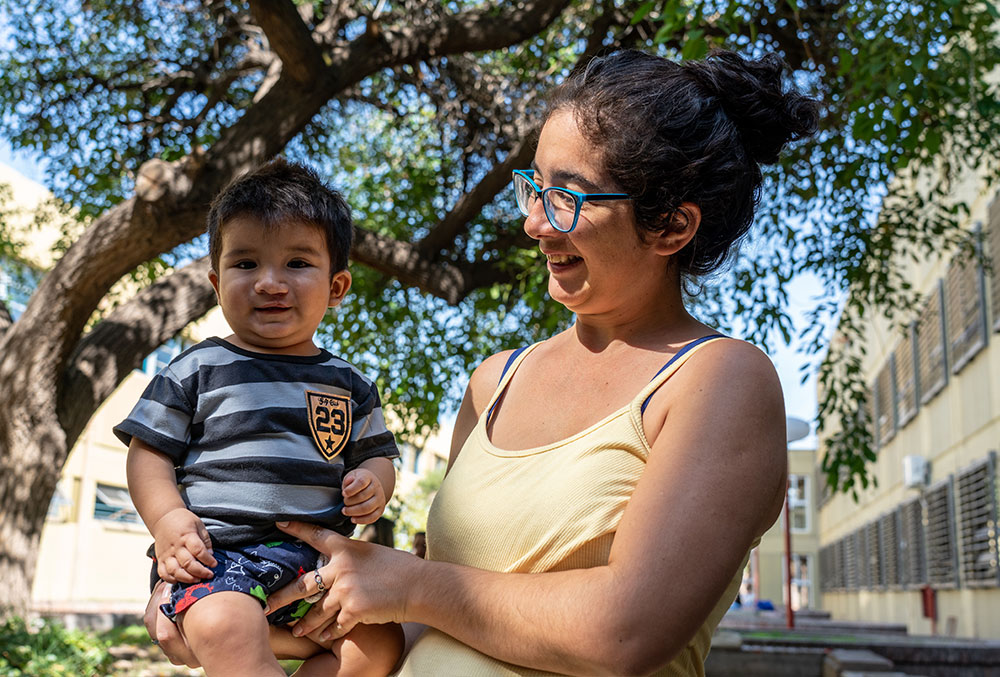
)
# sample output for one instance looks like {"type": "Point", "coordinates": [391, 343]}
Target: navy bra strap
{"type": "Point", "coordinates": [510, 361]}
{"type": "Point", "coordinates": [673, 359]}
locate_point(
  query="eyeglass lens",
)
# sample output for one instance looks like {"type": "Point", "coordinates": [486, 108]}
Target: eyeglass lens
{"type": "Point", "coordinates": [559, 205]}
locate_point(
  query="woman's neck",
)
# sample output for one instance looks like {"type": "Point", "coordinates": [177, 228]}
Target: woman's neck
{"type": "Point", "coordinates": [651, 326]}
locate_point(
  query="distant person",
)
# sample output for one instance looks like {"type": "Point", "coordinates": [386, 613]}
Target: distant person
{"type": "Point", "coordinates": [379, 532]}
{"type": "Point", "coordinates": [420, 544]}
{"type": "Point", "coordinates": [606, 484]}
{"type": "Point", "coordinates": [262, 425]}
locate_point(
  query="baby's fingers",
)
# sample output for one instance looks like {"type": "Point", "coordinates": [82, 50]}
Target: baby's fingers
{"type": "Point", "coordinates": [366, 512]}
{"type": "Point", "coordinates": [355, 482]}
{"type": "Point", "coordinates": [187, 561]}
{"type": "Point", "coordinates": [201, 547]}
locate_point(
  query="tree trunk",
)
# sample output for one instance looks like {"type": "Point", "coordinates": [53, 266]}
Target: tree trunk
{"type": "Point", "coordinates": [32, 453]}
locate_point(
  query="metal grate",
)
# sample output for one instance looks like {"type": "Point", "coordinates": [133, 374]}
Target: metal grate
{"type": "Point", "coordinates": [932, 369]}
{"type": "Point", "coordinates": [888, 527]}
{"type": "Point", "coordinates": [851, 569]}
{"type": "Point", "coordinates": [885, 403]}
{"type": "Point", "coordinates": [964, 305]}
{"type": "Point", "coordinates": [907, 396]}
{"type": "Point", "coordinates": [942, 568]}
{"type": "Point", "coordinates": [827, 571]}
{"type": "Point", "coordinates": [993, 242]}
{"type": "Point", "coordinates": [841, 554]}
{"type": "Point", "coordinates": [913, 563]}
{"type": "Point", "coordinates": [873, 552]}
{"type": "Point", "coordinates": [977, 523]}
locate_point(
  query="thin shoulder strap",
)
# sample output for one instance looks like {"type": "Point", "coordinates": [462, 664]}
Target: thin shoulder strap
{"type": "Point", "coordinates": [672, 360]}
{"type": "Point", "coordinates": [510, 360]}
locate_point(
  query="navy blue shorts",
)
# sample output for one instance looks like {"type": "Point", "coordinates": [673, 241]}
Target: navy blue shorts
{"type": "Point", "coordinates": [257, 570]}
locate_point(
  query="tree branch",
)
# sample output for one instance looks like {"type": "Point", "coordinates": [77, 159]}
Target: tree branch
{"type": "Point", "coordinates": [405, 262]}
{"type": "Point", "coordinates": [289, 37]}
{"type": "Point", "coordinates": [471, 203]}
{"type": "Point", "coordinates": [109, 352]}
{"type": "Point", "coordinates": [5, 319]}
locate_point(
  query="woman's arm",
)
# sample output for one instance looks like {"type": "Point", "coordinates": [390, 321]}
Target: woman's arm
{"type": "Point", "coordinates": [714, 481]}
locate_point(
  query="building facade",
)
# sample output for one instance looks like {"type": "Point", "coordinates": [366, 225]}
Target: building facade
{"type": "Point", "coordinates": [920, 546]}
{"type": "Point", "coordinates": [765, 575]}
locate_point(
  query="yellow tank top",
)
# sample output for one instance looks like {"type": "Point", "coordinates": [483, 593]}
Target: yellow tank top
{"type": "Point", "coordinates": [549, 508]}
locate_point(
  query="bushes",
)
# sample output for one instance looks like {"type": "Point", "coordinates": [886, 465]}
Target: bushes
{"type": "Point", "coordinates": [50, 650]}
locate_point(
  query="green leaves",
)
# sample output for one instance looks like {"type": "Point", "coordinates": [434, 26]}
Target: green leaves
{"type": "Point", "coordinates": [101, 87]}
{"type": "Point", "coordinates": [906, 92]}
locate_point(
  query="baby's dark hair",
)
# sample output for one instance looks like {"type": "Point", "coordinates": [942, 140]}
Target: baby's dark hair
{"type": "Point", "coordinates": [695, 132]}
{"type": "Point", "coordinates": [282, 192]}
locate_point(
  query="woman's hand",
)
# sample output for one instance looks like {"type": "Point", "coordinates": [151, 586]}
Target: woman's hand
{"type": "Point", "coordinates": [365, 583]}
{"type": "Point", "coordinates": [164, 632]}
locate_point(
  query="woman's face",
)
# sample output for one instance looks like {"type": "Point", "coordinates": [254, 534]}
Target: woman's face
{"type": "Point", "coordinates": [602, 264]}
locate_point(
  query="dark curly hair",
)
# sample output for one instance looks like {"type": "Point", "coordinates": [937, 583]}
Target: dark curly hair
{"type": "Point", "coordinates": [695, 131]}
{"type": "Point", "coordinates": [280, 192]}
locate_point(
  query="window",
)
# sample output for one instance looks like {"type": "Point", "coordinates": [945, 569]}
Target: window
{"type": "Point", "coordinates": [888, 529]}
{"type": "Point", "coordinates": [940, 536]}
{"type": "Point", "coordinates": [977, 517]}
{"type": "Point", "coordinates": [885, 404]}
{"type": "Point", "coordinates": [993, 242]}
{"type": "Point", "coordinates": [60, 505]}
{"type": "Point", "coordinates": [801, 581]}
{"type": "Point", "coordinates": [852, 575]}
{"type": "Point", "coordinates": [160, 358]}
{"type": "Point", "coordinates": [932, 372]}
{"type": "Point", "coordinates": [17, 283]}
{"type": "Point", "coordinates": [966, 320]}
{"type": "Point", "coordinates": [417, 451]}
{"type": "Point", "coordinates": [911, 544]}
{"type": "Point", "coordinates": [873, 555]}
{"type": "Point", "coordinates": [907, 397]}
{"type": "Point", "coordinates": [799, 515]}
{"type": "Point", "coordinates": [840, 574]}
{"type": "Point", "coordinates": [114, 504]}
{"type": "Point", "coordinates": [826, 568]}
{"type": "Point", "coordinates": [861, 555]}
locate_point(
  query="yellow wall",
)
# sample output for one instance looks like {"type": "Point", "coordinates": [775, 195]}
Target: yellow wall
{"type": "Point", "coordinates": [88, 564]}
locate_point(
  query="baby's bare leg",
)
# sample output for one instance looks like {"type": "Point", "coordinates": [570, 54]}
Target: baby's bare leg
{"type": "Point", "coordinates": [366, 651]}
{"type": "Point", "coordinates": [229, 635]}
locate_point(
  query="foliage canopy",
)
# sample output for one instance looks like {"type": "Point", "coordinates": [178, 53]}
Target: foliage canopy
{"type": "Point", "coordinates": [419, 127]}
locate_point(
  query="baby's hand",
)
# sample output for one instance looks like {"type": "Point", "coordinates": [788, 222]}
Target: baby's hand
{"type": "Point", "coordinates": [183, 547]}
{"type": "Point", "coordinates": [364, 497]}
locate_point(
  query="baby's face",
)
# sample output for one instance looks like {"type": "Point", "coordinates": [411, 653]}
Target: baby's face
{"type": "Point", "coordinates": [274, 284]}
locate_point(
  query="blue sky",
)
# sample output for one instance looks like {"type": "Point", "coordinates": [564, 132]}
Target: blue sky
{"type": "Point", "coordinates": [800, 398]}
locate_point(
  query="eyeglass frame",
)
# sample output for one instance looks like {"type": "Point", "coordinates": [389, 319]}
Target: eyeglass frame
{"type": "Point", "coordinates": [578, 198]}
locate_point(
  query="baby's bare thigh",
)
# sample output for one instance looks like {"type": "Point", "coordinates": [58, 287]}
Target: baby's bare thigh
{"type": "Point", "coordinates": [366, 651]}
{"type": "Point", "coordinates": [227, 632]}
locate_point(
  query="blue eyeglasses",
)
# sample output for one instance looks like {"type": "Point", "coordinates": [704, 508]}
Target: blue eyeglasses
{"type": "Point", "coordinates": [561, 205]}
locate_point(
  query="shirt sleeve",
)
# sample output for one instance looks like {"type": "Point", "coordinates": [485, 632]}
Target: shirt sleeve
{"type": "Point", "coordinates": [369, 436]}
{"type": "Point", "coordinates": [161, 418]}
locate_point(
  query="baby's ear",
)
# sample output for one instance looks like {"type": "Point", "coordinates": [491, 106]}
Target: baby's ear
{"type": "Point", "coordinates": [213, 277]}
{"type": "Point", "coordinates": [682, 228]}
{"type": "Point", "coordinates": [340, 284]}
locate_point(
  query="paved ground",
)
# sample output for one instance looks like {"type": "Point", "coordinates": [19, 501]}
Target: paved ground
{"type": "Point", "coordinates": [140, 661]}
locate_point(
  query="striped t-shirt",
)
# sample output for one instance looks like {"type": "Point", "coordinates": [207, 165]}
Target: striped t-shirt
{"type": "Point", "coordinates": [258, 437]}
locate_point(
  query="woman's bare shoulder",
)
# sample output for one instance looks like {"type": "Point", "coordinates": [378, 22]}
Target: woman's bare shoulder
{"type": "Point", "coordinates": [734, 359]}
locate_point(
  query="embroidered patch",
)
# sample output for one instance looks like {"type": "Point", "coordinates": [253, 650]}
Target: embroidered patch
{"type": "Point", "coordinates": [329, 421]}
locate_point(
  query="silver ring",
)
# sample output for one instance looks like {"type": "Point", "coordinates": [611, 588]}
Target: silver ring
{"type": "Point", "coordinates": [319, 581]}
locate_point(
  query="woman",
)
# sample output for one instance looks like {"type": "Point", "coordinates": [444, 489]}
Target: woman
{"type": "Point", "coordinates": [600, 506]}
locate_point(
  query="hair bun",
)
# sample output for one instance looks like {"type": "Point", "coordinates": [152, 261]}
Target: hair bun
{"type": "Point", "coordinates": [752, 95]}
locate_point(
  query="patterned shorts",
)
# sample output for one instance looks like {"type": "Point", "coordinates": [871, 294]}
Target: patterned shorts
{"type": "Point", "coordinates": [256, 570]}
